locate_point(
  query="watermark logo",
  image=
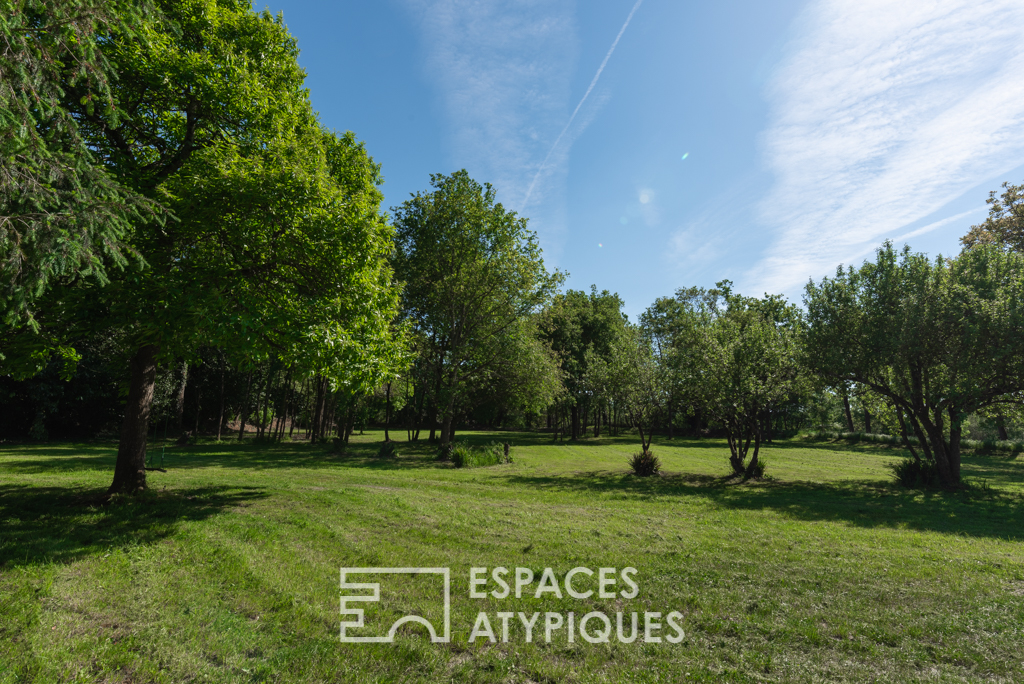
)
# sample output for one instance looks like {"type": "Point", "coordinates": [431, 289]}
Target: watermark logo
{"type": "Point", "coordinates": [497, 584]}
{"type": "Point", "coordinates": [357, 615]}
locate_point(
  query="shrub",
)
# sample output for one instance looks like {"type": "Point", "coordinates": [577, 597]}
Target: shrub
{"type": "Point", "coordinates": [464, 456]}
{"type": "Point", "coordinates": [461, 455]}
{"type": "Point", "coordinates": [912, 473]}
{"type": "Point", "coordinates": [388, 449]}
{"type": "Point", "coordinates": [758, 471]}
{"type": "Point", "coordinates": [991, 446]}
{"type": "Point", "coordinates": [444, 453]}
{"type": "Point", "coordinates": [499, 453]}
{"type": "Point", "coordinates": [645, 464]}
{"type": "Point", "coordinates": [857, 437]}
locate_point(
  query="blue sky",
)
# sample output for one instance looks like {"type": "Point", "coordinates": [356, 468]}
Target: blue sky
{"type": "Point", "coordinates": [811, 131]}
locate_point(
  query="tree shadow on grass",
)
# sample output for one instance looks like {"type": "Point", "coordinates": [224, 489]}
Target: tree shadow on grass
{"type": "Point", "coordinates": [56, 524]}
{"type": "Point", "coordinates": [250, 455]}
{"type": "Point", "coordinates": [979, 512]}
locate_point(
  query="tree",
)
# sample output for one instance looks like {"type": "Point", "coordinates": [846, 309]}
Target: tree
{"type": "Point", "coordinates": [579, 326]}
{"type": "Point", "coordinates": [278, 248]}
{"type": "Point", "coordinates": [1005, 223]}
{"type": "Point", "coordinates": [473, 273]}
{"type": "Point", "coordinates": [635, 380]}
{"type": "Point", "coordinates": [939, 340]}
{"type": "Point", "coordinates": [740, 360]}
{"type": "Point", "coordinates": [62, 214]}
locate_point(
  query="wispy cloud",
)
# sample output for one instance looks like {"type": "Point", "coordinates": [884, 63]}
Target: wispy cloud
{"type": "Point", "coordinates": [544, 166]}
{"type": "Point", "coordinates": [882, 113]}
{"type": "Point", "coordinates": [503, 69]}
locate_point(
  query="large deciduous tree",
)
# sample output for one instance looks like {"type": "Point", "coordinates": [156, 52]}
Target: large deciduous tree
{"type": "Point", "coordinates": [938, 339]}
{"type": "Point", "coordinates": [277, 246]}
{"type": "Point", "coordinates": [473, 276]}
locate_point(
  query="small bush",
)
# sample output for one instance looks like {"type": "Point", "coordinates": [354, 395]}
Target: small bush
{"type": "Point", "coordinates": [465, 456]}
{"type": "Point", "coordinates": [461, 455]}
{"type": "Point", "coordinates": [499, 452]}
{"type": "Point", "coordinates": [912, 474]}
{"type": "Point", "coordinates": [388, 449]}
{"type": "Point", "coordinates": [989, 446]}
{"type": "Point", "coordinates": [645, 464]}
{"type": "Point", "coordinates": [758, 471]}
{"type": "Point", "coordinates": [856, 437]}
{"type": "Point", "coordinates": [444, 453]}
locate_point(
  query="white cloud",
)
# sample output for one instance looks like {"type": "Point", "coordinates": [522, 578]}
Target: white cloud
{"type": "Point", "coordinates": [504, 70]}
{"type": "Point", "coordinates": [882, 113]}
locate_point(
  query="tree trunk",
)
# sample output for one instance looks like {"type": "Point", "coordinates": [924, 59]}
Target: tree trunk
{"type": "Point", "coordinates": [318, 408]}
{"type": "Point", "coordinates": [245, 407]}
{"type": "Point", "coordinates": [264, 418]}
{"type": "Point", "coordinates": [350, 417]}
{"type": "Point", "coordinates": [199, 407]}
{"type": "Point", "coordinates": [446, 426]}
{"type": "Point", "coordinates": [220, 415]}
{"type": "Point", "coordinates": [671, 420]}
{"type": "Point", "coordinates": [179, 408]}
{"type": "Point", "coordinates": [849, 415]}
{"type": "Point", "coordinates": [258, 415]}
{"type": "Point", "coordinates": [574, 422]}
{"type": "Point", "coordinates": [867, 421]}
{"type": "Point", "coordinates": [387, 412]}
{"type": "Point", "coordinates": [752, 466]}
{"type": "Point", "coordinates": [1001, 427]}
{"type": "Point", "coordinates": [735, 457]}
{"type": "Point", "coordinates": [130, 468]}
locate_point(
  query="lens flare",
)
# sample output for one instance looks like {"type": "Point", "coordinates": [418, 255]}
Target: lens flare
{"type": "Point", "coordinates": [686, 155]}
{"type": "Point", "coordinates": [599, 244]}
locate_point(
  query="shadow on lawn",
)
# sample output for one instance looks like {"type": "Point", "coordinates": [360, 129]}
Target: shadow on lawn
{"type": "Point", "coordinates": [977, 513]}
{"type": "Point", "coordinates": [250, 455]}
{"type": "Point", "coordinates": [56, 524]}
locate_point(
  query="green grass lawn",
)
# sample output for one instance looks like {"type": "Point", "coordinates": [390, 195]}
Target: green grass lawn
{"type": "Point", "coordinates": [228, 569]}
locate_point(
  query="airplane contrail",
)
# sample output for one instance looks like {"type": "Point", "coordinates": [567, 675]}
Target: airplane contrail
{"type": "Point", "coordinates": [593, 82]}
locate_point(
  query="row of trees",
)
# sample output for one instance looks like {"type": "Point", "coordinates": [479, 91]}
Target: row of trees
{"type": "Point", "coordinates": [182, 237]}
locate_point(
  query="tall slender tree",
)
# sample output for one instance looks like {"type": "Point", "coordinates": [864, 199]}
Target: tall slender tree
{"type": "Point", "coordinates": [473, 274]}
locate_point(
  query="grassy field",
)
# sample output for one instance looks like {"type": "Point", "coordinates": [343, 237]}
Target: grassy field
{"type": "Point", "coordinates": [228, 569]}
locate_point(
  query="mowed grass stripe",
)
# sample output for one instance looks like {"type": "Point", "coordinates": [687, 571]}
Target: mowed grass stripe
{"type": "Point", "coordinates": [228, 570]}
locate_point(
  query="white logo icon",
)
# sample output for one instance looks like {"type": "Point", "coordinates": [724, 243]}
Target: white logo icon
{"type": "Point", "coordinates": [357, 613]}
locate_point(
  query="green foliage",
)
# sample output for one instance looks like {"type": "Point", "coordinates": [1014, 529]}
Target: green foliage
{"type": "Point", "coordinates": [938, 340]}
{"type": "Point", "coordinates": [634, 379]}
{"type": "Point", "coordinates": [62, 213]}
{"type": "Point", "coordinates": [739, 360]}
{"type": "Point", "coordinates": [463, 455]}
{"type": "Point", "coordinates": [388, 449]}
{"type": "Point", "coordinates": [644, 464]}
{"type": "Point", "coordinates": [458, 453]}
{"type": "Point", "coordinates": [500, 452]}
{"type": "Point", "coordinates": [1004, 226]}
{"type": "Point", "coordinates": [914, 473]}
{"type": "Point", "coordinates": [473, 277]}
{"type": "Point", "coordinates": [581, 329]}
{"type": "Point", "coordinates": [757, 470]}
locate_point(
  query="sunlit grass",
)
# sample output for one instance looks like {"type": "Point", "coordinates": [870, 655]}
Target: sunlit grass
{"type": "Point", "coordinates": [228, 569]}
